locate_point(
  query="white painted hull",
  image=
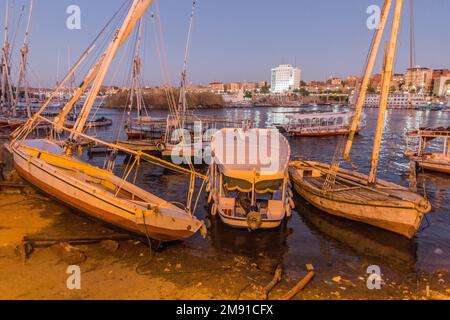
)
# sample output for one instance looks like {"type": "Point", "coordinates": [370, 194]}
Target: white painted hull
{"type": "Point", "coordinates": [241, 223]}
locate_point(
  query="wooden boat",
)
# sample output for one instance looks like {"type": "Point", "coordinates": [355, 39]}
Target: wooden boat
{"type": "Point", "coordinates": [250, 194]}
{"type": "Point", "coordinates": [433, 161]}
{"type": "Point", "coordinates": [97, 123]}
{"type": "Point", "coordinates": [101, 194]}
{"type": "Point", "coordinates": [98, 192]}
{"type": "Point", "coordinates": [320, 124]}
{"type": "Point", "coordinates": [354, 195]}
{"type": "Point", "coordinates": [385, 205]}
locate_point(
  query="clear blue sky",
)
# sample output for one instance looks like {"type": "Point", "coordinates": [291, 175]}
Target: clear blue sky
{"type": "Point", "coordinates": [240, 40]}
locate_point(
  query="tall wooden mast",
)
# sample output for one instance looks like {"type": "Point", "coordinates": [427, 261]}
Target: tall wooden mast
{"type": "Point", "coordinates": [367, 73]}
{"type": "Point", "coordinates": [182, 104]}
{"type": "Point", "coordinates": [23, 63]}
{"type": "Point", "coordinates": [385, 90]}
{"type": "Point", "coordinates": [136, 12]}
{"type": "Point", "coordinates": [5, 67]}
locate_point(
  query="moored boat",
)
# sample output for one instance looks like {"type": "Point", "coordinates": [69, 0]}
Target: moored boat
{"type": "Point", "coordinates": [357, 196]}
{"type": "Point", "coordinates": [101, 194]}
{"type": "Point", "coordinates": [321, 124]}
{"type": "Point", "coordinates": [424, 158]}
{"type": "Point", "coordinates": [247, 190]}
{"type": "Point", "coordinates": [385, 205]}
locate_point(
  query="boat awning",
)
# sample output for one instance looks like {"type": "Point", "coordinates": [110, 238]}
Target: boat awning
{"type": "Point", "coordinates": [265, 186]}
{"type": "Point", "coordinates": [253, 155]}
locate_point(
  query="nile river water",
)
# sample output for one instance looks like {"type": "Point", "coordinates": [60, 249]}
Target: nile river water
{"type": "Point", "coordinates": [313, 236]}
{"type": "Point", "coordinates": [333, 245]}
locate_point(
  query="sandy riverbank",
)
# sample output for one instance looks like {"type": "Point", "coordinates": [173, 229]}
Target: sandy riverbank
{"type": "Point", "coordinates": [177, 271]}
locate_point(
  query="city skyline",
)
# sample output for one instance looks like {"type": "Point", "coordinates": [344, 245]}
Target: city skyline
{"type": "Point", "coordinates": [245, 48]}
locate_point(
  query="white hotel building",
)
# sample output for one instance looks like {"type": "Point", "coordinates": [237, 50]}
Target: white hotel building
{"type": "Point", "coordinates": [285, 78]}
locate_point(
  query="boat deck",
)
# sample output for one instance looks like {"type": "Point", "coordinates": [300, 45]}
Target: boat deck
{"type": "Point", "coordinates": [352, 185]}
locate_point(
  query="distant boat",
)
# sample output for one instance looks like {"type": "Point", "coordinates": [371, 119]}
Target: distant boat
{"type": "Point", "coordinates": [427, 160]}
{"type": "Point", "coordinates": [247, 194]}
{"type": "Point", "coordinates": [240, 101]}
{"type": "Point", "coordinates": [321, 124]}
{"type": "Point", "coordinates": [97, 123]}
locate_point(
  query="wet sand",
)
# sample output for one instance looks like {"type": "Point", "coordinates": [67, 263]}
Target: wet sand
{"type": "Point", "coordinates": [177, 271]}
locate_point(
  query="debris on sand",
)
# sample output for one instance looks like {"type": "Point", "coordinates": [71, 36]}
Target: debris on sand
{"type": "Point", "coordinates": [110, 245]}
{"type": "Point", "coordinates": [69, 254]}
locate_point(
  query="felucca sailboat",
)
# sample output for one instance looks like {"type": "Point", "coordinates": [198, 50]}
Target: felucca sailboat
{"type": "Point", "coordinates": [354, 195]}
{"type": "Point", "coordinates": [99, 192]}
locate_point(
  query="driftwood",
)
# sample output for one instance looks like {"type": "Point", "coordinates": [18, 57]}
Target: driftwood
{"type": "Point", "coordinates": [301, 285]}
{"type": "Point", "coordinates": [37, 241]}
{"type": "Point", "coordinates": [13, 185]}
{"type": "Point", "coordinates": [276, 279]}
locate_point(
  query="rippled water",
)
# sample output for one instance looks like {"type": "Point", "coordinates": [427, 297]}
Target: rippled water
{"type": "Point", "coordinates": [311, 236]}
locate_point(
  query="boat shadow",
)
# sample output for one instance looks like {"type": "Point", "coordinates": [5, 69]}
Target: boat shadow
{"type": "Point", "coordinates": [376, 245]}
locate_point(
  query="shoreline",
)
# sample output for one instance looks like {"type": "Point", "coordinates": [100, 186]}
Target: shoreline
{"type": "Point", "coordinates": [177, 271]}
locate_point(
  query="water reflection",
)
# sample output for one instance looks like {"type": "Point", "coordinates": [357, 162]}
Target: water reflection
{"type": "Point", "coordinates": [379, 246]}
{"type": "Point", "coordinates": [313, 236]}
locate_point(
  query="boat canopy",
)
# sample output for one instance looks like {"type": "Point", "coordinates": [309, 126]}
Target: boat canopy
{"type": "Point", "coordinates": [250, 157]}
{"type": "Point", "coordinates": [265, 186]}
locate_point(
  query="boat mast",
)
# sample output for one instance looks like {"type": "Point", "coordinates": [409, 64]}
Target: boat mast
{"type": "Point", "coordinates": [412, 37]}
{"type": "Point", "coordinates": [5, 67]}
{"type": "Point", "coordinates": [135, 83]}
{"type": "Point", "coordinates": [182, 104]}
{"type": "Point", "coordinates": [23, 63]}
{"type": "Point", "coordinates": [385, 90]}
{"type": "Point", "coordinates": [367, 73]}
{"type": "Point", "coordinates": [136, 12]}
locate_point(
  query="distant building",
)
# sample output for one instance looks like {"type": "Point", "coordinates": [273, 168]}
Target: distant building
{"type": "Point", "coordinates": [263, 85]}
{"type": "Point", "coordinates": [351, 81]}
{"type": "Point", "coordinates": [397, 82]}
{"type": "Point", "coordinates": [420, 79]}
{"type": "Point", "coordinates": [250, 86]}
{"type": "Point", "coordinates": [334, 81]}
{"type": "Point", "coordinates": [218, 87]}
{"type": "Point", "coordinates": [285, 78]}
{"type": "Point", "coordinates": [233, 86]}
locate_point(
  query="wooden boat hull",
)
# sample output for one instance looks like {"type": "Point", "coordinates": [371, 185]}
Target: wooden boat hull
{"type": "Point", "coordinates": [322, 133]}
{"type": "Point", "coordinates": [430, 165]}
{"type": "Point", "coordinates": [435, 167]}
{"type": "Point", "coordinates": [395, 215]}
{"type": "Point", "coordinates": [71, 192]}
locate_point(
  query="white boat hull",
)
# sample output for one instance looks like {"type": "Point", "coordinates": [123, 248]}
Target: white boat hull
{"type": "Point", "coordinates": [241, 223]}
